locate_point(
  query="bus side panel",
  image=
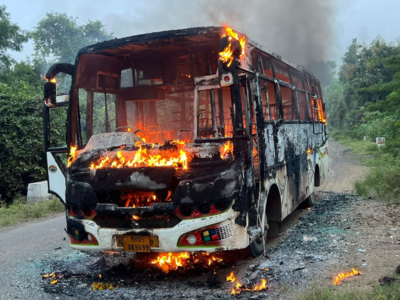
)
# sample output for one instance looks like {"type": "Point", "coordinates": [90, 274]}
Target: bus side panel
{"type": "Point", "coordinates": [304, 148]}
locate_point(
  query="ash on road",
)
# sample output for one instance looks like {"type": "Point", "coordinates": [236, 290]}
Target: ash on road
{"type": "Point", "coordinates": [313, 246]}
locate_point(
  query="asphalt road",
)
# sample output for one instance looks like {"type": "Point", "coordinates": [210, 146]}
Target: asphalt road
{"type": "Point", "coordinates": [20, 248]}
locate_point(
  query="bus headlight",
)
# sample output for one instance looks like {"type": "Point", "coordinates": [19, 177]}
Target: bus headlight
{"type": "Point", "coordinates": [191, 239]}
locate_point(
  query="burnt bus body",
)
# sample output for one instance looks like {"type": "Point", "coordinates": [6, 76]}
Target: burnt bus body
{"type": "Point", "coordinates": [247, 138]}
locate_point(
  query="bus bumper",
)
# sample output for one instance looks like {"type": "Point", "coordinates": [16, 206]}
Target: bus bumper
{"type": "Point", "coordinates": [227, 235]}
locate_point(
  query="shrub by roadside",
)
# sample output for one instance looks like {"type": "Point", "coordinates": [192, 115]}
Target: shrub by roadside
{"type": "Point", "coordinates": [19, 211]}
{"type": "Point", "coordinates": [382, 181]}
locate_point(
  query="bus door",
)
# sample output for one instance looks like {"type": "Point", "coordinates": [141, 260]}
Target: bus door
{"type": "Point", "coordinates": [54, 119]}
{"type": "Point", "coordinates": [255, 121]}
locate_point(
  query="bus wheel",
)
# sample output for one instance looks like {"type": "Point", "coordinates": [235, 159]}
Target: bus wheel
{"type": "Point", "coordinates": [256, 248]}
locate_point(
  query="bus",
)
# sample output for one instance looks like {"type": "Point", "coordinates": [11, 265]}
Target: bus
{"type": "Point", "coordinates": [185, 140]}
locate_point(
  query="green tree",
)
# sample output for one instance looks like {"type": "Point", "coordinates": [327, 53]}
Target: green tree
{"type": "Point", "coordinates": [11, 38]}
{"type": "Point", "coordinates": [365, 80]}
{"type": "Point", "coordinates": [22, 158]}
{"type": "Point", "coordinates": [58, 37]}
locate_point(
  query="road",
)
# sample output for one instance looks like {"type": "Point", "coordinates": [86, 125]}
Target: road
{"type": "Point", "coordinates": [35, 248]}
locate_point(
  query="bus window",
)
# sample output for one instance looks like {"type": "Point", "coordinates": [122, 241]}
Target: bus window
{"type": "Point", "coordinates": [222, 99]}
{"type": "Point", "coordinates": [297, 78]}
{"type": "Point", "coordinates": [57, 116]}
{"type": "Point", "coordinates": [104, 119]}
{"type": "Point", "coordinates": [282, 71]}
{"type": "Point", "coordinates": [288, 104]}
{"type": "Point", "coordinates": [82, 114]}
{"type": "Point", "coordinates": [163, 119]}
{"type": "Point", "coordinates": [268, 89]}
{"type": "Point", "coordinates": [126, 78]}
{"type": "Point", "coordinates": [301, 98]}
{"type": "Point", "coordinates": [267, 67]}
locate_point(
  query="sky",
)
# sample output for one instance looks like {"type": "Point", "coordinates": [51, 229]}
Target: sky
{"type": "Point", "coordinates": [348, 19]}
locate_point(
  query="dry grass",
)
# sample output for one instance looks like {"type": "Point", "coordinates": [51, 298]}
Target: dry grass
{"type": "Point", "coordinates": [19, 211]}
{"type": "Point", "coordinates": [390, 292]}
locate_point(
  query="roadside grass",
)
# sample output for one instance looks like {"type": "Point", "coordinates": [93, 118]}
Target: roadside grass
{"type": "Point", "coordinates": [382, 181]}
{"type": "Point", "coordinates": [389, 292]}
{"type": "Point", "coordinates": [20, 211]}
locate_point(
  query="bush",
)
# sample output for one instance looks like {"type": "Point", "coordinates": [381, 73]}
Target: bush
{"type": "Point", "coordinates": [20, 211]}
{"type": "Point", "coordinates": [382, 180]}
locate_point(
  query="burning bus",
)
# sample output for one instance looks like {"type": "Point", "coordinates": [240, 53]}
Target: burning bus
{"type": "Point", "coordinates": [185, 140]}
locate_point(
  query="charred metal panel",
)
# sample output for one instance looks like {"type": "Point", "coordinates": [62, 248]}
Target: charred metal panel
{"type": "Point", "coordinates": [270, 145]}
{"type": "Point", "coordinates": [149, 178]}
{"type": "Point", "coordinates": [80, 193]}
{"type": "Point", "coordinates": [280, 138]}
{"type": "Point", "coordinates": [214, 186]}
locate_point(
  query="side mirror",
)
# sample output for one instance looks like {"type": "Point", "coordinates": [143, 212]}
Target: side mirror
{"type": "Point", "coordinates": [50, 92]}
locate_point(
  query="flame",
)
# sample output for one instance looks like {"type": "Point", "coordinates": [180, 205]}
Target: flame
{"type": "Point", "coordinates": [231, 277]}
{"type": "Point", "coordinates": [341, 276]}
{"type": "Point", "coordinates": [54, 282]}
{"type": "Point", "coordinates": [49, 275]}
{"type": "Point", "coordinates": [72, 155]}
{"type": "Point", "coordinates": [261, 286]}
{"type": "Point", "coordinates": [171, 261]}
{"type": "Point", "coordinates": [50, 80]}
{"type": "Point", "coordinates": [228, 150]}
{"type": "Point", "coordinates": [240, 288]}
{"type": "Point", "coordinates": [321, 113]}
{"type": "Point", "coordinates": [142, 158]}
{"type": "Point", "coordinates": [226, 54]}
{"type": "Point", "coordinates": [102, 286]}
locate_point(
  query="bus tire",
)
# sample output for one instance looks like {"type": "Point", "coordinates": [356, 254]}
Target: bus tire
{"type": "Point", "coordinates": [256, 247]}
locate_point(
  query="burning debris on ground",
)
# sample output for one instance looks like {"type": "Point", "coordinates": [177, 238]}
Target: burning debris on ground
{"type": "Point", "coordinates": [295, 262]}
{"type": "Point", "coordinates": [341, 276]}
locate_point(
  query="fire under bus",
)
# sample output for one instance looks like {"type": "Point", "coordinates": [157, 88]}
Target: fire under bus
{"type": "Point", "coordinates": [184, 140]}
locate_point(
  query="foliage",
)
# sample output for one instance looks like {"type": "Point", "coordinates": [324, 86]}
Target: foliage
{"type": "Point", "coordinates": [19, 211]}
{"type": "Point", "coordinates": [365, 102]}
{"type": "Point", "coordinates": [22, 157]}
{"type": "Point", "coordinates": [369, 82]}
{"type": "Point", "coordinates": [59, 37]}
{"type": "Point", "coordinates": [11, 38]}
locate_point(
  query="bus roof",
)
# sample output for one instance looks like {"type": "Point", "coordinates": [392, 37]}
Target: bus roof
{"type": "Point", "coordinates": [201, 35]}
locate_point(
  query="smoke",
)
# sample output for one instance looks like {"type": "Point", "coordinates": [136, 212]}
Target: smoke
{"type": "Point", "coordinates": [301, 31]}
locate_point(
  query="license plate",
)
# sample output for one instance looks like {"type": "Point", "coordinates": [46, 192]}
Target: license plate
{"type": "Point", "coordinates": [137, 243]}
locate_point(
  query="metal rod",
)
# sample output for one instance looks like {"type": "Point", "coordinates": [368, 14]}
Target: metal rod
{"type": "Point", "coordinates": [212, 100]}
